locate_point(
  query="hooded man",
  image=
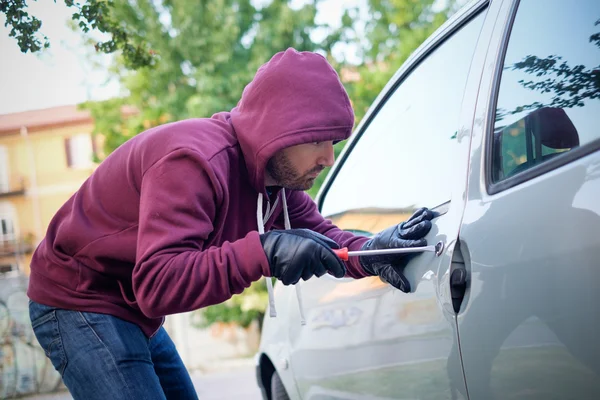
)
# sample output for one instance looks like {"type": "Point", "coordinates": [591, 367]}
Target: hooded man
{"type": "Point", "coordinates": [187, 214]}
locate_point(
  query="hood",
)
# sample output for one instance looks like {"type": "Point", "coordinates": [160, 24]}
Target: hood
{"type": "Point", "coordinates": [295, 98]}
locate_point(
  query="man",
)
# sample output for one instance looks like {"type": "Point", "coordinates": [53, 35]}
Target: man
{"type": "Point", "coordinates": [187, 214]}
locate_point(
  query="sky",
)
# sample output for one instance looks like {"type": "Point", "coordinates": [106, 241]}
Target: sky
{"type": "Point", "coordinates": [61, 75]}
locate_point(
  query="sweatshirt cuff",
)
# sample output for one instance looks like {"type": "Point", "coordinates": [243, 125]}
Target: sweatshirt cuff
{"type": "Point", "coordinates": [259, 253]}
{"type": "Point", "coordinates": [354, 269]}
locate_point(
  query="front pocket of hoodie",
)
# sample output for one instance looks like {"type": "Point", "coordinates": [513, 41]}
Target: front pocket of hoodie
{"type": "Point", "coordinates": [47, 333]}
{"type": "Point", "coordinates": [92, 281]}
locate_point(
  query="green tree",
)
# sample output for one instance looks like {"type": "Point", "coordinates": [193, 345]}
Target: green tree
{"type": "Point", "coordinates": [207, 52]}
{"type": "Point", "coordinates": [570, 85]}
{"type": "Point", "coordinates": [241, 309]}
{"type": "Point", "coordinates": [393, 30]}
{"type": "Point", "coordinates": [91, 15]}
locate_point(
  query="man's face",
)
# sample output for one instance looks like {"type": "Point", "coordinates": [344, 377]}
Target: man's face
{"type": "Point", "coordinates": [297, 167]}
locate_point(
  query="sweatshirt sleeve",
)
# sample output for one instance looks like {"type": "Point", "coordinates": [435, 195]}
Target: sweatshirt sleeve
{"type": "Point", "coordinates": [174, 271]}
{"type": "Point", "coordinates": [304, 214]}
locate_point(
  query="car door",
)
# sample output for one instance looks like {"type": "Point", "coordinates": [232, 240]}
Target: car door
{"type": "Point", "coordinates": [363, 338]}
{"type": "Point", "coordinates": [529, 325]}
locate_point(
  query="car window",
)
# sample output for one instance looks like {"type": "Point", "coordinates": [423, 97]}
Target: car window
{"type": "Point", "coordinates": [402, 159]}
{"type": "Point", "coordinates": [549, 95]}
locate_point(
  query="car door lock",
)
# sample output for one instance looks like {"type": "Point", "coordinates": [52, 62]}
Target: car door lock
{"type": "Point", "coordinates": [439, 248]}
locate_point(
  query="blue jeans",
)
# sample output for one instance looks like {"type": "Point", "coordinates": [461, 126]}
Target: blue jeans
{"type": "Point", "coordinates": [103, 357]}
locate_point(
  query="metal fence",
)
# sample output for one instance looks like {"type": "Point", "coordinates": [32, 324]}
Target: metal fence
{"type": "Point", "coordinates": [24, 368]}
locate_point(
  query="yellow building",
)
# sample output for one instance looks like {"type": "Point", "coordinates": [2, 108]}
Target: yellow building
{"type": "Point", "coordinates": [45, 155]}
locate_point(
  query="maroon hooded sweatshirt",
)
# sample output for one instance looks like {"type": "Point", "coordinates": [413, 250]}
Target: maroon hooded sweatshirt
{"type": "Point", "coordinates": [168, 222]}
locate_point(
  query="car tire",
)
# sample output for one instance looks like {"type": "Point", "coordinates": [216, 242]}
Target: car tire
{"type": "Point", "coordinates": [278, 391]}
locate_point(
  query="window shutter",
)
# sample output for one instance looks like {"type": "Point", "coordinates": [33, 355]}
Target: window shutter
{"type": "Point", "coordinates": [68, 152]}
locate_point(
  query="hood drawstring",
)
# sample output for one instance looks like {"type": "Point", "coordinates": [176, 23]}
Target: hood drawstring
{"type": "Point", "coordinates": [261, 221]}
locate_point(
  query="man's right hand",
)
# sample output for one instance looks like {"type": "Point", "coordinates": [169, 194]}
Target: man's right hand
{"type": "Point", "coordinates": [300, 253]}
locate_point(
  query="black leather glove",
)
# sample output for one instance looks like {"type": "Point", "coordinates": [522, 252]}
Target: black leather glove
{"type": "Point", "coordinates": [410, 233]}
{"type": "Point", "coordinates": [300, 253]}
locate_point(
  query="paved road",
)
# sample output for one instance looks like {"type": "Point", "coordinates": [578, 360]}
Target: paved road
{"type": "Point", "coordinates": [239, 383]}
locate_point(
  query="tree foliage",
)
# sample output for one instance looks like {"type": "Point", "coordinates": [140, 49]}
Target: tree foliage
{"type": "Point", "coordinates": [241, 309]}
{"type": "Point", "coordinates": [91, 15]}
{"type": "Point", "coordinates": [570, 85]}
{"type": "Point", "coordinates": [24, 27]}
{"type": "Point", "coordinates": [393, 30]}
{"type": "Point", "coordinates": [207, 52]}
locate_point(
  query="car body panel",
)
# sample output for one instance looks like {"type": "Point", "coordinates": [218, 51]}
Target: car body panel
{"type": "Point", "coordinates": [529, 325]}
{"type": "Point", "coordinates": [361, 332]}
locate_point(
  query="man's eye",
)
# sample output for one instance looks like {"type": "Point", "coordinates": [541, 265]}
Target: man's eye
{"type": "Point", "coordinates": [316, 143]}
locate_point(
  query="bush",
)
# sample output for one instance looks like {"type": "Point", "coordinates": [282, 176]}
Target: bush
{"type": "Point", "coordinates": [241, 309]}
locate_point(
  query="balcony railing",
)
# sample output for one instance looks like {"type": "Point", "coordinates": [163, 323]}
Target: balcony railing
{"type": "Point", "coordinates": [14, 247]}
{"type": "Point", "coordinates": [15, 186]}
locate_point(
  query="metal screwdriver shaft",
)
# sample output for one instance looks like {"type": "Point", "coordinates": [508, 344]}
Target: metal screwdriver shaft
{"type": "Point", "coordinates": [343, 253]}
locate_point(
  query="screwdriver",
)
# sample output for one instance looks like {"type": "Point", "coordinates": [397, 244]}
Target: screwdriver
{"type": "Point", "coordinates": [343, 253]}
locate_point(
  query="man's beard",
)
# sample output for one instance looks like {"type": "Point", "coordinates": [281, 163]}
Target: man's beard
{"type": "Point", "coordinates": [281, 170]}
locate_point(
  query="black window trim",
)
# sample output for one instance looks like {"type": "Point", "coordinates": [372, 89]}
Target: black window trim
{"type": "Point", "coordinates": [430, 47]}
{"type": "Point", "coordinates": [535, 171]}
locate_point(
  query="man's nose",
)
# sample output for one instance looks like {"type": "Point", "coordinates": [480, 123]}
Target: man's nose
{"type": "Point", "coordinates": [327, 155]}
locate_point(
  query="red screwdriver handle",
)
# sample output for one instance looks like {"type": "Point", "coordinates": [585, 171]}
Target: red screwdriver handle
{"type": "Point", "coordinates": [341, 253]}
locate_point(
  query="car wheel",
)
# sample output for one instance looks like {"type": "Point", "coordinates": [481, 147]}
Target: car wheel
{"type": "Point", "coordinates": [277, 389]}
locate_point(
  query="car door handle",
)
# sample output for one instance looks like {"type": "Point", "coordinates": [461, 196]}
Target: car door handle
{"type": "Point", "coordinates": [458, 284]}
{"type": "Point", "coordinates": [458, 279]}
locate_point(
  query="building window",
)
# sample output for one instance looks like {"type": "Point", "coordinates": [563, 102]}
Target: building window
{"type": "Point", "coordinates": [7, 229]}
{"type": "Point", "coordinates": [79, 151]}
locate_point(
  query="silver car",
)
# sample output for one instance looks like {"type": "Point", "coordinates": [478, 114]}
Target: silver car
{"type": "Point", "coordinates": [494, 122]}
